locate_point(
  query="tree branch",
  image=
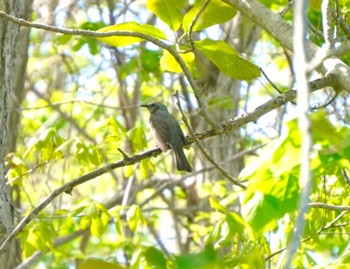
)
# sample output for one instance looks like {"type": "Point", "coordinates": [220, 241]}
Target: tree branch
{"type": "Point", "coordinates": [327, 25]}
{"type": "Point", "coordinates": [219, 167]}
{"type": "Point", "coordinates": [330, 207]}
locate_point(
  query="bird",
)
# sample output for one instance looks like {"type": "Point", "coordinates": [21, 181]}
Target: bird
{"type": "Point", "coordinates": [168, 133]}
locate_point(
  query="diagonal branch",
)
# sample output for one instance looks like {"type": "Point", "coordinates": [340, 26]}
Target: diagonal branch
{"type": "Point", "coordinates": [219, 167]}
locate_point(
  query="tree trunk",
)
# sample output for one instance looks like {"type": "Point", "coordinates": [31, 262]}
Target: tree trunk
{"type": "Point", "coordinates": [241, 34]}
{"type": "Point", "coordinates": [13, 59]}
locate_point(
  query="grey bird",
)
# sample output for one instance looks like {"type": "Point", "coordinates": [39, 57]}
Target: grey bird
{"type": "Point", "coordinates": [167, 133]}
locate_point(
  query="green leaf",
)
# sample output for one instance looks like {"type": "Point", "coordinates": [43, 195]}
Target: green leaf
{"type": "Point", "coordinates": [62, 39]}
{"type": "Point", "coordinates": [269, 199]}
{"type": "Point", "coordinates": [168, 62]}
{"type": "Point", "coordinates": [120, 41]}
{"type": "Point", "coordinates": [323, 130]}
{"type": "Point", "coordinates": [215, 234]}
{"type": "Point", "coordinates": [92, 44]}
{"type": "Point", "coordinates": [46, 145]}
{"type": "Point", "coordinates": [236, 223]}
{"type": "Point", "coordinates": [136, 259]}
{"type": "Point", "coordinates": [222, 102]}
{"type": "Point", "coordinates": [145, 167]}
{"type": "Point", "coordinates": [155, 258]}
{"type": "Point", "coordinates": [17, 169]}
{"type": "Point", "coordinates": [134, 217]}
{"type": "Point", "coordinates": [94, 155]}
{"type": "Point", "coordinates": [128, 171]}
{"type": "Point", "coordinates": [216, 205]}
{"type": "Point", "coordinates": [38, 236]}
{"type": "Point", "coordinates": [84, 153]}
{"type": "Point", "coordinates": [150, 59]}
{"type": "Point", "coordinates": [99, 224]}
{"type": "Point", "coordinates": [138, 137]}
{"type": "Point", "coordinates": [226, 59]}
{"type": "Point", "coordinates": [118, 224]}
{"type": "Point", "coordinates": [95, 216]}
{"type": "Point", "coordinates": [168, 11]}
{"type": "Point", "coordinates": [251, 255]}
{"type": "Point", "coordinates": [207, 259]}
{"type": "Point", "coordinates": [274, 182]}
{"type": "Point", "coordinates": [281, 156]}
{"type": "Point", "coordinates": [100, 220]}
{"type": "Point", "coordinates": [215, 12]}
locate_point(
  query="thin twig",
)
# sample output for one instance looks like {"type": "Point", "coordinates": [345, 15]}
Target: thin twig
{"type": "Point", "coordinates": [330, 225]}
{"type": "Point", "coordinates": [194, 21]}
{"type": "Point", "coordinates": [330, 207]}
{"type": "Point", "coordinates": [346, 176]}
{"type": "Point", "coordinates": [219, 167]}
{"type": "Point", "coordinates": [270, 81]}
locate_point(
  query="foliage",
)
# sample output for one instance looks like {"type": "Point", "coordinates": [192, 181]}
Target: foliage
{"type": "Point", "coordinates": [84, 105]}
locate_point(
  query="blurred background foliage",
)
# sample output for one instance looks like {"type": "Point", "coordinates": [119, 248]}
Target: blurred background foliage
{"type": "Point", "coordinates": [81, 103]}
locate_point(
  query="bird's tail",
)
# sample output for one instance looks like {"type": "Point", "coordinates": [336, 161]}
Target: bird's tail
{"type": "Point", "coordinates": [182, 163]}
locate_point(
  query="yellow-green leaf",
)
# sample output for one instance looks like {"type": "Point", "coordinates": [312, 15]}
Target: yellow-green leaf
{"type": "Point", "coordinates": [168, 62]}
{"type": "Point", "coordinates": [216, 205]}
{"type": "Point", "coordinates": [134, 217]}
{"type": "Point", "coordinates": [215, 12]}
{"type": "Point", "coordinates": [226, 59]}
{"type": "Point", "coordinates": [168, 11]}
{"type": "Point", "coordinates": [132, 27]}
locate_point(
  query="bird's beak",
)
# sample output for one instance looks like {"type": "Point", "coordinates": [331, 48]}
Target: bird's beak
{"type": "Point", "coordinates": [145, 106]}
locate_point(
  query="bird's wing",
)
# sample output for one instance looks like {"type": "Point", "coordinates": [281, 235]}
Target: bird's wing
{"type": "Point", "coordinates": [161, 129]}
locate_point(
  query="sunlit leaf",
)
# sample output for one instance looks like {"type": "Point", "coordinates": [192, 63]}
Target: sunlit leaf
{"type": "Point", "coordinates": [118, 224]}
{"type": "Point", "coordinates": [46, 144]}
{"type": "Point", "coordinates": [144, 168]}
{"type": "Point", "coordinates": [38, 236]}
{"type": "Point", "coordinates": [216, 205]}
{"type": "Point", "coordinates": [275, 196]}
{"type": "Point", "coordinates": [168, 62]}
{"type": "Point", "coordinates": [134, 217]}
{"type": "Point", "coordinates": [274, 185]}
{"type": "Point", "coordinates": [100, 221]}
{"type": "Point", "coordinates": [168, 11]}
{"type": "Point", "coordinates": [119, 41]}
{"type": "Point", "coordinates": [138, 137]}
{"type": "Point", "coordinates": [128, 171]}
{"type": "Point", "coordinates": [226, 59]}
{"type": "Point", "coordinates": [136, 259]}
{"type": "Point", "coordinates": [236, 223]}
{"type": "Point", "coordinates": [215, 12]}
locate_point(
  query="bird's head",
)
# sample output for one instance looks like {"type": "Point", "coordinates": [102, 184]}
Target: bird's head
{"type": "Point", "coordinates": [155, 106]}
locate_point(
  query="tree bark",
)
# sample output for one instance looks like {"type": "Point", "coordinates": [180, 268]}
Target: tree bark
{"type": "Point", "coordinates": [13, 59]}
